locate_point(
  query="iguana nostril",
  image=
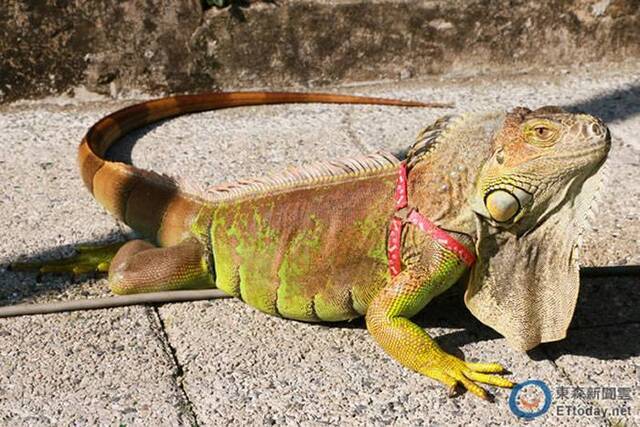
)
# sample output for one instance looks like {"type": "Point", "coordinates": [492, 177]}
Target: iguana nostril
{"type": "Point", "coordinates": [595, 128]}
{"type": "Point", "coordinates": [502, 205]}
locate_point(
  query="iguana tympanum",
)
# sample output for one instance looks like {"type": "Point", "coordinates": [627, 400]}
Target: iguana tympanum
{"type": "Point", "coordinates": [500, 194]}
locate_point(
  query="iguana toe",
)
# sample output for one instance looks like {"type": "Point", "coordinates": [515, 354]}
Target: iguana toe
{"type": "Point", "coordinates": [88, 259]}
{"type": "Point", "coordinates": [450, 369]}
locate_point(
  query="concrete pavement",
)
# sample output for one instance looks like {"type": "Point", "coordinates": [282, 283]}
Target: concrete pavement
{"type": "Point", "coordinates": [220, 362]}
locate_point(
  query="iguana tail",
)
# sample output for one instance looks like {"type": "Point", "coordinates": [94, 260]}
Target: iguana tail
{"type": "Point", "coordinates": [153, 204]}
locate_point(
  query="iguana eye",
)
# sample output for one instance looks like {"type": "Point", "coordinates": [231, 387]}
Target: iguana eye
{"type": "Point", "coordinates": [543, 132]}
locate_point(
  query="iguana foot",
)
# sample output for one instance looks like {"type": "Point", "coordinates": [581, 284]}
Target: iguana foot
{"type": "Point", "coordinates": [452, 372]}
{"type": "Point", "coordinates": [88, 259]}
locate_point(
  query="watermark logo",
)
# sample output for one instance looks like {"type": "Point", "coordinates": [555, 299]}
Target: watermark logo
{"type": "Point", "coordinates": [530, 399]}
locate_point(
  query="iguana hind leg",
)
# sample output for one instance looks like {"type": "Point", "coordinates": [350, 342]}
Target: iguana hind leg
{"type": "Point", "coordinates": [141, 267]}
{"type": "Point", "coordinates": [388, 321]}
{"type": "Point", "coordinates": [135, 266]}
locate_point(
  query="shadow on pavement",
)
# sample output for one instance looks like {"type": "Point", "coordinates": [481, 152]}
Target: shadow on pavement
{"type": "Point", "coordinates": [21, 286]}
{"type": "Point", "coordinates": [607, 305]}
{"type": "Point", "coordinates": [616, 105]}
{"type": "Point", "coordinates": [606, 322]}
{"type": "Point", "coordinates": [619, 104]}
{"type": "Point", "coordinates": [605, 325]}
{"type": "Point", "coordinates": [122, 149]}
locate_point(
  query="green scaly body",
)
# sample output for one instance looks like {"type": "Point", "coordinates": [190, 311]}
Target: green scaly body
{"type": "Point", "coordinates": [309, 253]}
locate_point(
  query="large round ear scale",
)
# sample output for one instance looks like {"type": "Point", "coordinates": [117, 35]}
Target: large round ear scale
{"type": "Point", "coordinates": [502, 205]}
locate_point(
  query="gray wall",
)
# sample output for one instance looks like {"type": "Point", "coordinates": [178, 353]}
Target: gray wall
{"type": "Point", "coordinates": [51, 47]}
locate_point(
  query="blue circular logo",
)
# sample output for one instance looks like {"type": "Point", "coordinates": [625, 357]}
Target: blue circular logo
{"type": "Point", "coordinates": [530, 399]}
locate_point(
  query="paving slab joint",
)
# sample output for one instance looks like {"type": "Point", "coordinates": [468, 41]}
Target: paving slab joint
{"type": "Point", "coordinates": [352, 134]}
{"type": "Point", "coordinates": [179, 371]}
{"type": "Point", "coordinates": [563, 373]}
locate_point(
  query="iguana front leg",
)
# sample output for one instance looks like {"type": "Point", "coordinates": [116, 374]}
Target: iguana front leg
{"type": "Point", "coordinates": [407, 293]}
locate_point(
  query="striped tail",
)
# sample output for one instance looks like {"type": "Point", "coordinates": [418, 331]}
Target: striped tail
{"type": "Point", "coordinates": [153, 204]}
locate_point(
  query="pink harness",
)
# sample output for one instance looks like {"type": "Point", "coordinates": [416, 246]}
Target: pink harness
{"type": "Point", "coordinates": [394, 244]}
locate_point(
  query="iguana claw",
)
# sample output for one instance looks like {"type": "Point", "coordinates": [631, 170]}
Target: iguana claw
{"type": "Point", "coordinates": [452, 372]}
{"type": "Point", "coordinates": [88, 259]}
{"type": "Point", "coordinates": [453, 391]}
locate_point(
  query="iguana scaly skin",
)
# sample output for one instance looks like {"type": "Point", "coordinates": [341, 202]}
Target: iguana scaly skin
{"type": "Point", "coordinates": [310, 244]}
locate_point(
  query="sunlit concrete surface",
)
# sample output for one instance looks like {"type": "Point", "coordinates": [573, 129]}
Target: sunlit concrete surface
{"type": "Point", "coordinates": [220, 362]}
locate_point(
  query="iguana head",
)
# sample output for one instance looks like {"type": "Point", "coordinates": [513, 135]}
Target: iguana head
{"type": "Point", "coordinates": [537, 158]}
{"type": "Point", "coordinates": [530, 198]}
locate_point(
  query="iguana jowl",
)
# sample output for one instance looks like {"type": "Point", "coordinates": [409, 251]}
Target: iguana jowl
{"type": "Point", "coordinates": [312, 243]}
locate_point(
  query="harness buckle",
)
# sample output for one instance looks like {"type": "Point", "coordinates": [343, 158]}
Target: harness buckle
{"type": "Point", "coordinates": [403, 214]}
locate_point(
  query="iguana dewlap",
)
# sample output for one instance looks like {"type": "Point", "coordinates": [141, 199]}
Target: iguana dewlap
{"type": "Point", "coordinates": [312, 243]}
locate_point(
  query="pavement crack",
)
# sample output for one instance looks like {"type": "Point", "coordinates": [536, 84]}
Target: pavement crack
{"type": "Point", "coordinates": [186, 403]}
{"type": "Point", "coordinates": [564, 374]}
{"type": "Point", "coordinates": [352, 134]}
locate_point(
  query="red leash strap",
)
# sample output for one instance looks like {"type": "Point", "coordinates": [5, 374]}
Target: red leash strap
{"type": "Point", "coordinates": [394, 244]}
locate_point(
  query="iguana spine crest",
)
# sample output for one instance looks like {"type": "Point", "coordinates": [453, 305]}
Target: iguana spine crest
{"type": "Point", "coordinates": [311, 174]}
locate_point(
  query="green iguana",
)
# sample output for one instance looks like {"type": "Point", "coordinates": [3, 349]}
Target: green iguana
{"type": "Point", "coordinates": [494, 198]}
